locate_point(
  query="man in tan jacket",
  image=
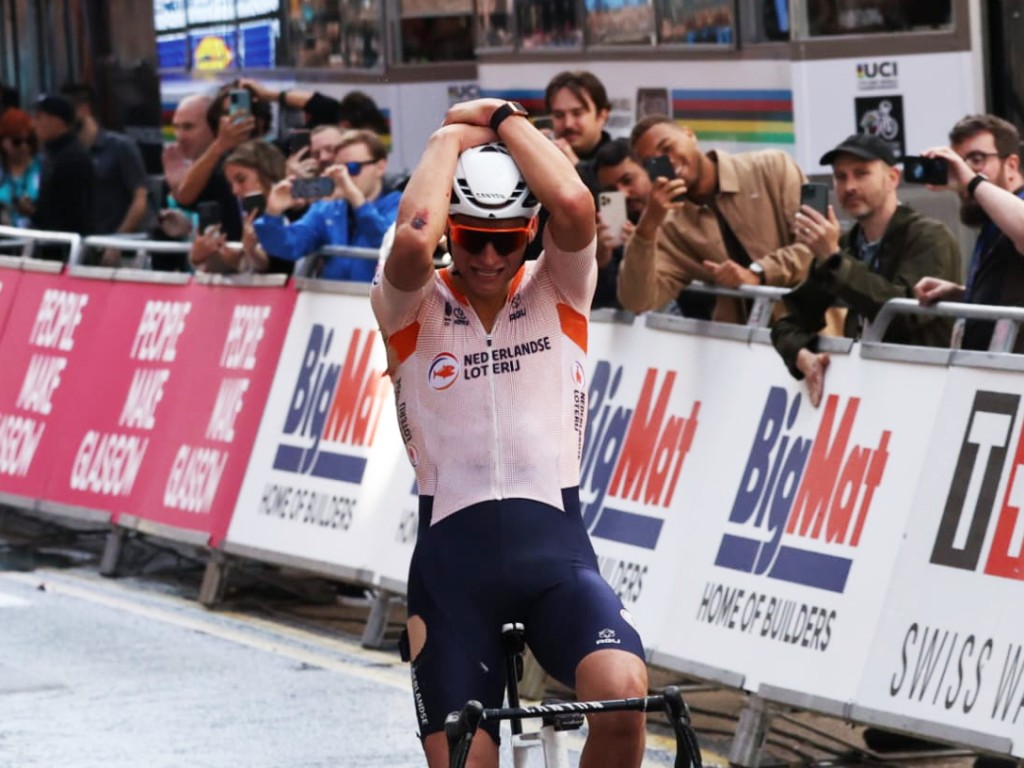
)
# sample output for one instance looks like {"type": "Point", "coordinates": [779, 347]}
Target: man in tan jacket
{"type": "Point", "coordinates": [724, 219]}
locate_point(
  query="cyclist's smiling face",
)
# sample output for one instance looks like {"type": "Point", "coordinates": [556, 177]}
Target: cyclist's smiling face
{"type": "Point", "coordinates": [479, 267]}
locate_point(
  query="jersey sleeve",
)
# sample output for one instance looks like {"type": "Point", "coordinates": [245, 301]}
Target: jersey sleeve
{"type": "Point", "coordinates": [395, 309]}
{"type": "Point", "coordinates": [574, 274]}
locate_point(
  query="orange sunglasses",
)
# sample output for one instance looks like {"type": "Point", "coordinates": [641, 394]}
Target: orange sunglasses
{"type": "Point", "coordinates": [505, 240]}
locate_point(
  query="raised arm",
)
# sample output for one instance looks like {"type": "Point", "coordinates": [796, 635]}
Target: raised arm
{"type": "Point", "coordinates": [548, 173]}
{"type": "Point", "coordinates": [423, 211]}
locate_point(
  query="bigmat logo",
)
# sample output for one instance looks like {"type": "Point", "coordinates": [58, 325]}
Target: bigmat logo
{"type": "Point", "coordinates": [633, 456]}
{"type": "Point", "coordinates": [334, 409]}
{"type": "Point", "coordinates": [972, 494]}
{"type": "Point", "coordinates": [802, 501]}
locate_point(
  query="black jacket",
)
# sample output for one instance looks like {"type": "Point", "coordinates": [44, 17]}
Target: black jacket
{"type": "Point", "coordinates": [912, 247]}
{"type": "Point", "coordinates": [66, 184]}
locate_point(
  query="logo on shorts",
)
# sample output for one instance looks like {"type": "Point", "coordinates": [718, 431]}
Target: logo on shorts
{"type": "Point", "coordinates": [579, 376]}
{"type": "Point", "coordinates": [607, 637]}
{"type": "Point", "coordinates": [443, 371]}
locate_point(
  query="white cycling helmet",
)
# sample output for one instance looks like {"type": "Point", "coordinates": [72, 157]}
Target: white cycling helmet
{"type": "Point", "coordinates": [488, 185]}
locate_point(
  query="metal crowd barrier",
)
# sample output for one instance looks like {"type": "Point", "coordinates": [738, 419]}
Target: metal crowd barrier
{"type": "Point", "coordinates": [29, 238]}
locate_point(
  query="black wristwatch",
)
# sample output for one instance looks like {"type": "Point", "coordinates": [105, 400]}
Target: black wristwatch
{"type": "Point", "coordinates": [758, 271]}
{"type": "Point", "coordinates": [973, 184]}
{"type": "Point", "coordinates": [506, 110]}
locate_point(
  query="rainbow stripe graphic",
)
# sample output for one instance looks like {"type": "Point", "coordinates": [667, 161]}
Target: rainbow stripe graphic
{"type": "Point", "coordinates": [756, 117]}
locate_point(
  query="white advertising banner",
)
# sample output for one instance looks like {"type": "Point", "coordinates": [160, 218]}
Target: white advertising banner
{"type": "Point", "coordinates": [950, 646]}
{"type": "Point", "coordinates": [911, 101]}
{"type": "Point", "coordinates": [637, 461]}
{"type": "Point", "coordinates": [321, 457]}
{"type": "Point", "coordinates": [794, 522]}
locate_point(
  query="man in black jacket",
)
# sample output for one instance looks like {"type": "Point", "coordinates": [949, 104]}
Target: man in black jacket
{"type": "Point", "coordinates": [884, 255]}
{"type": "Point", "coordinates": [66, 180]}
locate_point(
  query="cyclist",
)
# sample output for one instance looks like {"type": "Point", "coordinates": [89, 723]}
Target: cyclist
{"type": "Point", "coordinates": [487, 358]}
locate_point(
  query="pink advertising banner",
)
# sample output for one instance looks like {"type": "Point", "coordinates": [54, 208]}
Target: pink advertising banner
{"type": "Point", "coordinates": [169, 399]}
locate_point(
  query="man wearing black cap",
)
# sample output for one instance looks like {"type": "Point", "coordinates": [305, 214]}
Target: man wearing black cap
{"type": "Point", "coordinates": [889, 249]}
{"type": "Point", "coordinates": [66, 180]}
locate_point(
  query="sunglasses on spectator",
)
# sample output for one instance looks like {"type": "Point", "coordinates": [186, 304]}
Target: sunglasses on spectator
{"type": "Point", "coordinates": [355, 167]}
{"type": "Point", "coordinates": [505, 240]}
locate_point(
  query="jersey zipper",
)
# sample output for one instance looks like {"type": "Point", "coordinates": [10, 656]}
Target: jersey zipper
{"type": "Point", "coordinates": [496, 470]}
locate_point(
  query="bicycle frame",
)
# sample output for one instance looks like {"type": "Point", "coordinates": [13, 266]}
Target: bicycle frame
{"type": "Point", "coordinates": [461, 727]}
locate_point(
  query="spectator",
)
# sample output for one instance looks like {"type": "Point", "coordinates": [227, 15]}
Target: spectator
{"type": "Point", "coordinates": [358, 213]}
{"type": "Point", "coordinates": [324, 142]}
{"type": "Point", "coordinates": [615, 169]}
{"type": "Point", "coordinates": [882, 257]}
{"type": "Point", "coordinates": [19, 168]}
{"type": "Point", "coordinates": [122, 198]}
{"type": "Point", "coordinates": [578, 105]}
{"type": "Point", "coordinates": [203, 178]}
{"type": "Point", "coordinates": [724, 219]}
{"type": "Point", "coordinates": [66, 183]}
{"type": "Point", "coordinates": [251, 169]}
{"type": "Point", "coordinates": [984, 168]}
{"type": "Point", "coordinates": [355, 110]}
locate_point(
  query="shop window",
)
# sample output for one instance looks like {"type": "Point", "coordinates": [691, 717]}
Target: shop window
{"type": "Point", "coordinates": [341, 34]}
{"type": "Point", "coordinates": [495, 24]}
{"type": "Point", "coordinates": [620, 22]}
{"type": "Point", "coordinates": [859, 17]}
{"type": "Point", "coordinates": [549, 24]}
{"type": "Point", "coordinates": [696, 22]}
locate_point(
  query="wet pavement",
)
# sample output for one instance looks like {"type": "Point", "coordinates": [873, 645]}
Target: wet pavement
{"type": "Point", "coordinates": [133, 671]}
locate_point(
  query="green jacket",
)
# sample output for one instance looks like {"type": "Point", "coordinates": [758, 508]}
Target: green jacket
{"type": "Point", "coordinates": [912, 247]}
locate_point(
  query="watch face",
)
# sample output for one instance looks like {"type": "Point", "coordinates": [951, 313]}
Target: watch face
{"type": "Point", "coordinates": [517, 108]}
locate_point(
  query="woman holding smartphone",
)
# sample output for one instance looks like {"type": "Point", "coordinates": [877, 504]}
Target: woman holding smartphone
{"type": "Point", "coordinates": [252, 169]}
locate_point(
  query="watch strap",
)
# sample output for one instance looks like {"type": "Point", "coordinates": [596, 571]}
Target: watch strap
{"type": "Point", "coordinates": [973, 184]}
{"type": "Point", "coordinates": [505, 111]}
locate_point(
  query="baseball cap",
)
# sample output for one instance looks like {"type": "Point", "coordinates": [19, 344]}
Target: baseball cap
{"type": "Point", "coordinates": [863, 146]}
{"type": "Point", "coordinates": [58, 106]}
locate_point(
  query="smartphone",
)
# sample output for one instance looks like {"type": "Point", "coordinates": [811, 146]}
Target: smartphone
{"type": "Point", "coordinates": [612, 205]}
{"type": "Point", "coordinates": [239, 103]}
{"type": "Point", "coordinates": [661, 165]}
{"type": "Point", "coordinates": [925, 170]}
{"type": "Point", "coordinates": [310, 189]}
{"type": "Point", "coordinates": [816, 196]}
{"type": "Point", "coordinates": [209, 215]}
{"type": "Point", "coordinates": [254, 202]}
{"type": "Point", "coordinates": [297, 140]}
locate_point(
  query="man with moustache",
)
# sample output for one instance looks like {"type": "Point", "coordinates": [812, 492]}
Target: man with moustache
{"type": "Point", "coordinates": [886, 252]}
{"type": "Point", "coordinates": [984, 169]}
{"type": "Point", "coordinates": [724, 219]}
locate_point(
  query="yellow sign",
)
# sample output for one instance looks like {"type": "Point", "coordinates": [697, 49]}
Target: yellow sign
{"type": "Point", "coordinates": [212, 54]}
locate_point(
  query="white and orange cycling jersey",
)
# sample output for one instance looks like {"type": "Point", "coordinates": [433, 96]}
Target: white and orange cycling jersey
{"type": "Point", "coordinates": [499, 415]}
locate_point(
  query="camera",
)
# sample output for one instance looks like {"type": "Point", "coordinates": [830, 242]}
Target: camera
{"type": "Point", "coordinates": [925, 170]}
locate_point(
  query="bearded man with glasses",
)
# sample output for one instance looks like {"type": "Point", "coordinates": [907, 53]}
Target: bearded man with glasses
{"type": "Point", "coordinates": [357, 208]}
{"type": "Point", "coordinates": [488, 359]}
{"type": "Point", "coordinates": [983, 161]}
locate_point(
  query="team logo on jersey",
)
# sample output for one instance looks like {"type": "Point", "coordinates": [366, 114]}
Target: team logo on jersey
{"type": "Point", "coordinates": [443, 371]}
{"type": "Point", "coordinates": [579, 376]}
{"type": "Point", "coordinates": [516, 309]}
{"type": "Point", "coordinates": [454, 315]}
{"type": "Point", "coordinates": [607, 637]}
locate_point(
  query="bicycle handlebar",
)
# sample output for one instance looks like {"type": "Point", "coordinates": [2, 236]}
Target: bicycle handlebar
{"type": "Point", "coordinates": [460, 727]}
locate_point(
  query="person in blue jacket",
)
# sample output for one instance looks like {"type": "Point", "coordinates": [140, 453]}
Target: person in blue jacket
{"type": "Point", "coordinates": [357, 213]}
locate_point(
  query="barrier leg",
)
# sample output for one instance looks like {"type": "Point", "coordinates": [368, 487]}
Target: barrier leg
{"type": "Point", "coordinates": [751, 733]}
{"type": "Point", "coordinates": [110, 562]}
{"type": "Point", "coordinates": [215, 579]}
{"type": "Point", "coordinates": [377, 621]}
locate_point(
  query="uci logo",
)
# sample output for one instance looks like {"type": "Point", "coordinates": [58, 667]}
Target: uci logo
{"type": "Point", "coordinates": [443, 371]}
{"type": "Point", "coordinates": [882, 69]}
